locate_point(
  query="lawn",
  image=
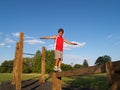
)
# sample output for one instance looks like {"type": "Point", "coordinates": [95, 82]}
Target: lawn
{"type": "Point", "coordinates": [8, 76]}
{"type": "Point", "coordinates": [97, 81]}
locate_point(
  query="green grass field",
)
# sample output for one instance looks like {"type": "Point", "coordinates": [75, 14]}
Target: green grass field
{"type": "Point", "coordinates": [97, 81]}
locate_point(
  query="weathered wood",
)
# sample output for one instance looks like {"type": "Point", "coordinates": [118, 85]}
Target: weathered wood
{"type": "Point", "coordinates": [20, 62]}
{"type": "Point", "coordinates": [14, 65]}
{"type": "Point", "coordinates": [113, 77]}
{"type": "Point", "coordinates": [56, 82]}
{"type": "Point", "coordinates": [84, 71]}
{"type": "Point", "coordinates": [42, 77]}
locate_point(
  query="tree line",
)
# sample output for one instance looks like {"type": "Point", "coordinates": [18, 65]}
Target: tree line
{"type": "Point", "coordinates": [33, 64]}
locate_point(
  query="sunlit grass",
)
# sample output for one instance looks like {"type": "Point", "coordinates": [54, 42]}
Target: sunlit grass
{"type": "Point", "coordinates": [8, 76]}
{"type": "Point", "coordinates": [97, 81]}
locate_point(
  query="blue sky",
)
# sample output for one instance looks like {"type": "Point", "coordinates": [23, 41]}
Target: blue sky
{"type": "Point", "coordinates": [93, 24]}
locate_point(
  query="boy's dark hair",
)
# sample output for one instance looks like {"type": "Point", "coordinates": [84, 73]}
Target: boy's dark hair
{"type": "Point", "coordinates": [60, 30]}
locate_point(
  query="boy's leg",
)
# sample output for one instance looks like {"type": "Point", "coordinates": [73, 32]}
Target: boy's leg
{"type": "Point", "coordinates": [59, 65]}
{"type": "Point", "coordinates": [56, 65]}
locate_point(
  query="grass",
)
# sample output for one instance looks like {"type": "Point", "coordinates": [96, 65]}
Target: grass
{"type": "Point", "coordinates": [8, 76]}
{"type": "Point", "coordinates": [97, 81]}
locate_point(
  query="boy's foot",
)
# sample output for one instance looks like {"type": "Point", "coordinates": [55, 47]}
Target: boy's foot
{"type": "Point", "coordinates": [59, 70]}
{"type": "Point", "coordinates": [55, 68]}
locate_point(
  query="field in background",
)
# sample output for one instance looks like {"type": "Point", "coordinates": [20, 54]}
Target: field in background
{"type": "Point", "coordinates": [97, 82]}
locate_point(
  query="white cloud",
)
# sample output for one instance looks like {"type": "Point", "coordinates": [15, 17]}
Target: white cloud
{"type": "Point", "coordinates": [34, 41]}
{"type": "Point", "coordinates": [17, 34]}
{"type": "Point", "coordinates": [9, 46]}
{"type": "Point", "coordinates": [8, 40]}
{"type": "Point", "coordinates": [76, 59]}
{"type": "Point", "coordinates": [28, 37]}
{"type": "Point", "coordinates": [2, 44]}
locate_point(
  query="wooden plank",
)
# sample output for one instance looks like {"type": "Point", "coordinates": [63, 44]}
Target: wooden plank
{"type": "Point", "coordinates": [42, 77]}
{"type": "Point", "coordinates": [14, 65]}
{"type": "Point", "coordinates": [113, 78]}
{"type": "Point", "coordinates": [56, 82]}
{"type": "Point", "coordinates": [20, 62]}
{"type": "Point", "coordinates": [84, 71]}
{"type": "Point", "coordinates": [116, 65]}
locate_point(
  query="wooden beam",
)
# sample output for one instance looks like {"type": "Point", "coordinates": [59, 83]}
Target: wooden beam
{"type": "Point", "coordinates": [84, 71]}
{"type": "Point", "coordinates": [113, 77]}
{"type": "Point", "coordinates": [20, 62]}
{"type": "Point", "coordinates": [56, 82]}
{"type": "Point", "coordinates": [15, 64]}
{"type": "Point", "coordinates": [42, 78]}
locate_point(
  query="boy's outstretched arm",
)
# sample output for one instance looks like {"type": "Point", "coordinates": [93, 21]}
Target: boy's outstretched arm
{"type": "Point", "coordinates": [48, 37]}
{"type": "Point", "coordinates": [70, 42]}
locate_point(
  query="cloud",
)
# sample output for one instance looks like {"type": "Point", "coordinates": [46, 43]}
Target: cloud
{"type": "Point", "coordinates": [9, 46]}
{"type": "Point", "coordinates": [34, 41]}
{"type": "Point", "coordinates": [8, 40]}
{"type": "Point", "coordinates": [2, 44]}
{"type": "Point", "coordinates": [17, 34]}
{"type": "Point", "coordinates": [28, 37]}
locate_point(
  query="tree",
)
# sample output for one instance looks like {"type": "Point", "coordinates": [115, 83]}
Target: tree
{"type": "Point", "coordinates": [103, 59]}
{"type": "Point", "coordinates": [77, 66]}
{"type": "Point", "coordinates": [36, 63]}
{"type": "Point", "coordinates": [27, 65]}
{"type": "Point", "coordinates": [6, 66]}
{"type": "Point", "coordinates": [49, 60]}
{"type": "Point", "coordinates": [66, 67]}
{"type": "Point", "coordinates": [85, 63]}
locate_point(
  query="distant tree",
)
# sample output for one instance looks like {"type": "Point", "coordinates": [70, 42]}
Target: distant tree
{"type": "Point", "coordinates": [6, 66]}
{"type": "Point", "coordinates": [36, 63]}
{"type": "Point", "coordinates": [66, 67]}
{"type": "Point", "coordinates": [50, 60]}
{"type": "Point", "coordinates": [27, 65]}
{"type": "Point", "coordinates": [85, 63]}
{"type": "Point", "coordinates": [102, 59]}
{"type": "Point", "coordinates": [77, 66]}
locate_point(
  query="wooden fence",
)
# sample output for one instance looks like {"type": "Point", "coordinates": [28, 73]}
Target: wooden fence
{"type": "Point", "coordinates": [112, 70]}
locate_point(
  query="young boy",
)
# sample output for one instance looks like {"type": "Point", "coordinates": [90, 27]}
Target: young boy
{"type": "Point", "coordinates": [59, 41]}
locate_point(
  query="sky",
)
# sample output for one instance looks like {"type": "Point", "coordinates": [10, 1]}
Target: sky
{"type": "Point", "coordinates": [93, 24]}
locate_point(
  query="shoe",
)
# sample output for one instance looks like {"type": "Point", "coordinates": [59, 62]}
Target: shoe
{"type": "Point", "coordinates": [55, 68]}
{"type": "Point", "coordinates": [59, 70]}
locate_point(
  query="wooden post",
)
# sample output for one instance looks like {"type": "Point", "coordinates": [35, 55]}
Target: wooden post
{"type": "Point", "coordinates": [42, 78]}
{"type": "Point", "coordinates": [113, 78]}
{"type": "Point", "coordinates": [15, 66]}
{"type": "Point", "coordinates": [19, 62]}
{"type": "Point", "coordinates": [56, 85]}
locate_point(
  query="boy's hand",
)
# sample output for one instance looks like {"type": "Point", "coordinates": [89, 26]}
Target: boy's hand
{"type": "Point", "coordinates": [42, 38]}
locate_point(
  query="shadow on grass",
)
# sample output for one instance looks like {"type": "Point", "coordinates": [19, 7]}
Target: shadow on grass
{"type": "Point", "coordinates": [93, 82]}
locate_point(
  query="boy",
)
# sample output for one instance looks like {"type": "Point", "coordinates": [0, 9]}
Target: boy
{"type": "Point", "coordinates": [59, 41]}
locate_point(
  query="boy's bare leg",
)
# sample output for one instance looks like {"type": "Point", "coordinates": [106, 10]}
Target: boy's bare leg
{"type": "Point", "coordinates": [56, 65]}
{"type": "Point", "coordinates": [59, 64]}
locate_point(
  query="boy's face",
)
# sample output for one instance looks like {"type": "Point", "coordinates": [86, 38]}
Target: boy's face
{"type": "Point", "coordinates": [60, 33]}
